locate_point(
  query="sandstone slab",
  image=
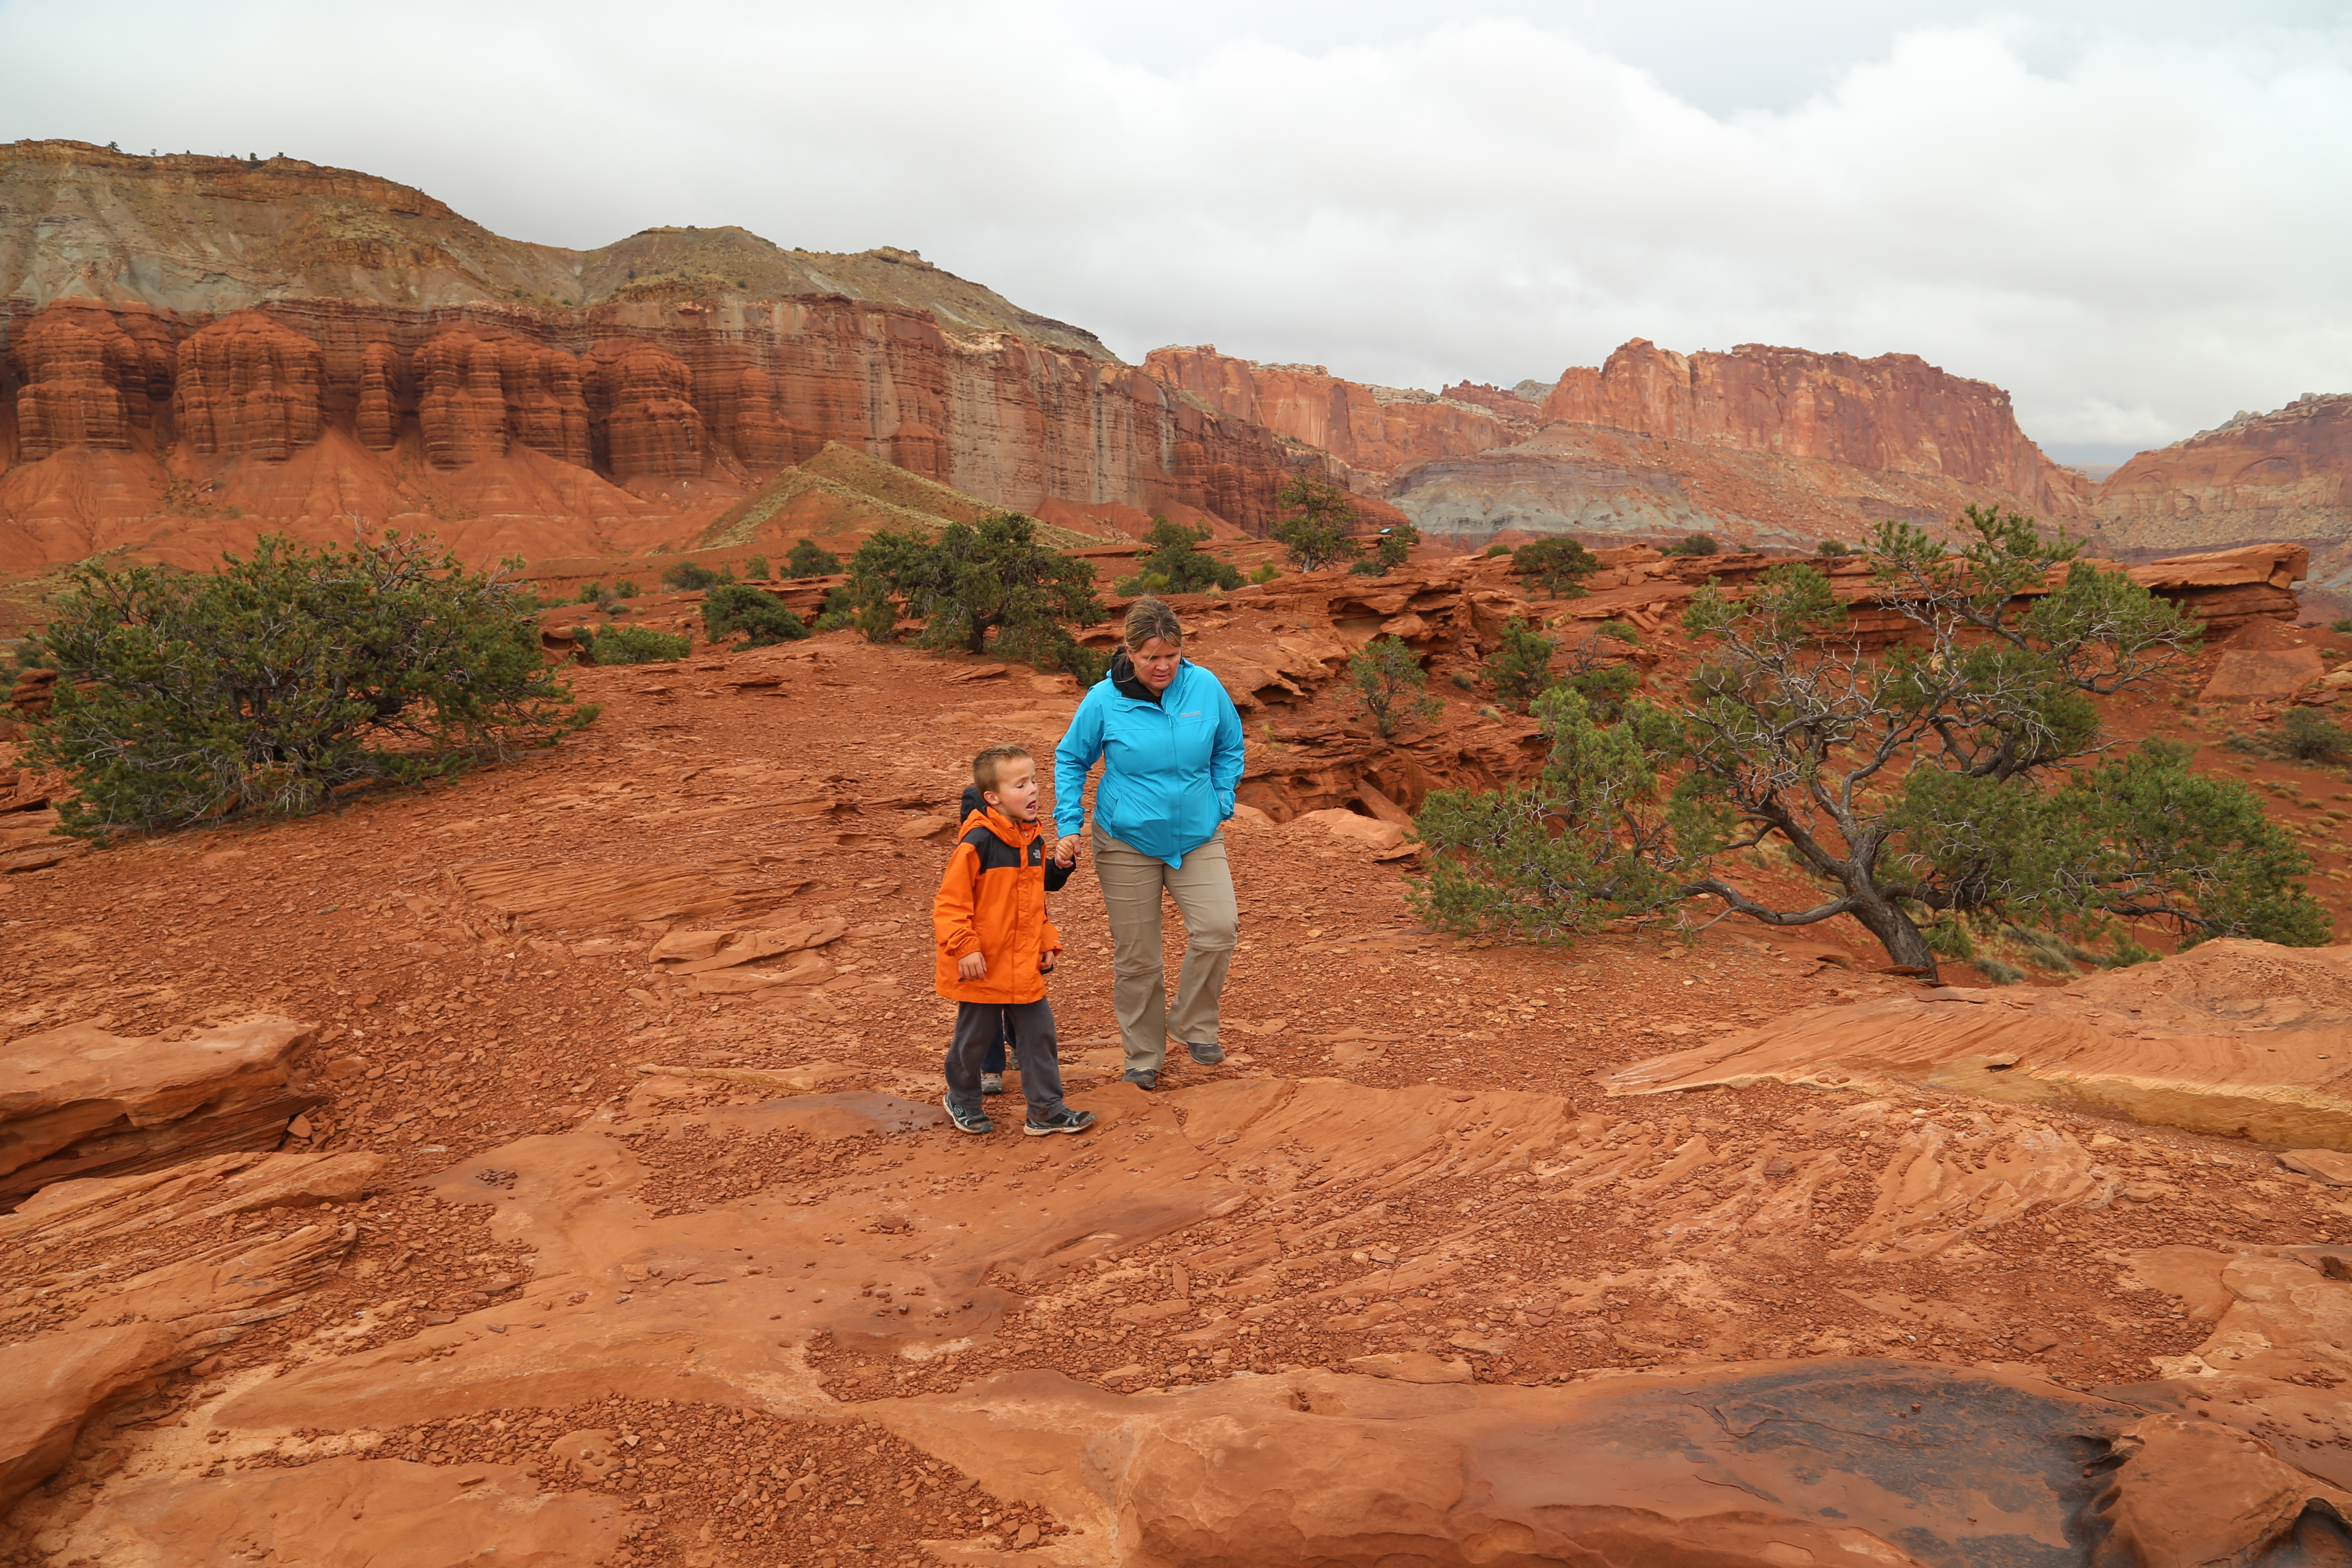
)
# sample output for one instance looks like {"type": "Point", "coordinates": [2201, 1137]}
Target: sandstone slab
{"type": "Point", "coordinates": [77, 1102]}
{"type": "Point", "coordinates": [2236, 1038]}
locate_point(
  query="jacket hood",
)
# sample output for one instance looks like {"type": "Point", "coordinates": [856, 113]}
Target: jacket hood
{"type": "Point", "coordinates": [1130, 685]}
{"type": "Point", "coordinates": [978, 813]}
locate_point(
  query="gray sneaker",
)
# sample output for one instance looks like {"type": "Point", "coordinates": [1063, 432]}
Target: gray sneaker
{"type": "Point", "coordinates": [1142, 1079]}
{"type": "Point", "coordinates": [968, 1120]}
{"type": "Point", "coordinates": [992, 1083]}
{"type": "Point", "coordinates": [1208, 1056]}
{"type": "Point", "coordinates": [1063, 1121]}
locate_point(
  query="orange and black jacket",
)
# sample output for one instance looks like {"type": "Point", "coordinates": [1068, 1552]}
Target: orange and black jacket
{"type": "Point", "coordinates": [992, 902]}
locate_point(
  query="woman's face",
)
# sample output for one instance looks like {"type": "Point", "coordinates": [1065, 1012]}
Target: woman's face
{"type": "Point", "coordinates": [1156, 661]}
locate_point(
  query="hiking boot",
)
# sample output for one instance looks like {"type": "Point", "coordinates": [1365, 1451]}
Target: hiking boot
{"type": "Point", "coordinates": [1142, 1079]}
{"type": "Point", "coordinates": [1061, 1120]}
{"type": "Point", "coordinates": [1208, 1056]}
{"type": "Point", "coordinates": [992, 1083]}
{"type": "Point", "coordinates": [968, 1120]}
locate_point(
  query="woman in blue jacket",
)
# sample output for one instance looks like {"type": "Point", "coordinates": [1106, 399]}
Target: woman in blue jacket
{"type": "Point", "coordinates": [1169, 741]}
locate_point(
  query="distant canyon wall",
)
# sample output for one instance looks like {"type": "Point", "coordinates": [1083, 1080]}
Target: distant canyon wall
{"type": "Point", "coordinates": [1895, 414]}
{"type": "Point", "coordinates": [677, 404]}
{"type": "Point", "coordinates": [1377, 431]}
{"type": "Point", "coordinates": [2285, 475]}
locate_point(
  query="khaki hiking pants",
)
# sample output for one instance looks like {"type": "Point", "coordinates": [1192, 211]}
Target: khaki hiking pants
{"type": "Point", "coordinates": [1204, 890]}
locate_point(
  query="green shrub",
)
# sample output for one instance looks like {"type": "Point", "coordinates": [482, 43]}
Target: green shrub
{"type": "Point", "coordinates": [1390, 686]}
{"type": "Point", "coordinates": [840, 610]}
{"type": "Point", "coordinates": [266, 685]}
{"type": "Point", "coordinates": [2001, 973]}
{"type": "Point", "coordinates": [805, 559]}
{"type": "Point", "coordinates": [1555, 564]}
{"type": "Point", "coordinates": [1694, 544]}
{"type": "Point", "coordinates": [975, 579]}
{"type": "Point", "coordinates": [1495, 549]}
{"type": "Point", "coordinates": [1316, 534]}
{"type": "Point", "coordinates": [624, 589]}
{"type": "Point", "coordinates": [1368, 569]}
{"type": "Point", "coordinates": [1395, 547]}
{"type": "Point", "coordinates": [733, 607]}
{"type": "Point", "coordinates": [591, 593]}
{"type": "Point", "coordinates": [1605, 691]}
{"type": "Point", "coordinates": [1521, 668]}
{"type": "Point", "coordinates": [1465, 680]}
{"type": "Point", "coordinates": [1835, 547]}
{"type": "Point", "coordinates": [689, 577]}
{"type": "Point", "coordinates": [1620, 631]}
{"type": "Point", "coordinates": [2344, 625]}
{"type": "Point", "coordinates": [755, 570]}
{"type": "Point", "coordinates": [630, 645]}
{"type": "Point", "coordinates": [1266, 572]}
{"type": "Point", "coordinates": [1172, 562]}
{"type": "Point", "coordinates": [2309, 737]}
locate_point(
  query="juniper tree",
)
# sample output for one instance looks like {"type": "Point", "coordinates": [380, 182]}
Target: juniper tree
{"type": "Point", "coordinates": [975, 579]}
{"type": "Point", "coordinates": [1316, 533]}
{"type": "Point", "coordinates": [1959, 775]}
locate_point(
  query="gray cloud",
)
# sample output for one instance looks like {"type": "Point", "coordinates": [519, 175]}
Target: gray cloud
{"type": "Point", "coordinates": [2132, 217]}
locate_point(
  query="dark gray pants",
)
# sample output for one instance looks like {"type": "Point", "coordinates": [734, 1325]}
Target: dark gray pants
{"type": "Point", "coordinates": [977, 1028]}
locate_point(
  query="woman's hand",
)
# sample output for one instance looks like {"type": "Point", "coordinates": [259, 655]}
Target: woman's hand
{"type": "Point", "coordinates": [1065, 851]}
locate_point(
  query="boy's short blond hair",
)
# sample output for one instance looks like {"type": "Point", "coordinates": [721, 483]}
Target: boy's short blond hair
{"type": "Point", "coordinates": [990, 763]}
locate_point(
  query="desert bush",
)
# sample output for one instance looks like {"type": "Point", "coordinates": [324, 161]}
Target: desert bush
{"type": "Point", "coordinates": [1965, 776]}
{"type": "Point", "coordinates": [1465, 680]}
{"type": "Point", "coordinates": [735, 608]}
{"type": "Point", "coordinates": [1368, 569]}
{"type": "Point", "coordinates": [1266, 572]}
{"type": "Point", "coordinates": [805, 559]}
{"type": "Point", "coordinates": [840, 611]}
{"type": "Point", "coordinates": [755, 570]}
{"type": "Point", "coordinates": [2342, 624]}
{"type": "Point", "coordinates": [1555, 566]}
{"type": "Point", "coordinates": [1694, 544]}
{"type": "Point", "coordinates": [630, 645]}
{"type": "Point", "coordinates": [2308, 737]}
{"type": "Point", "coordinates": [975, 579]}
{"type": "Point", "coordinates": [1172, 562]}
{"type": "Point", "coordinates": [1620, 631]}
{"type": "Point", "coordinates": [1520, 668]}
{"type": "Point", "coordinates": [1316, 533]}
{"type": "Point", "coordinates": [1390, 686]}
{"type": "Point", "coordinates": [1393, 548]}
{"type": "Point", "coordinates": [268, 684]}
{"type": "Point", "coordinates": [689, 577]}
{"type": "Point", "coordinates": [1495, 549]}
{"type": "Point", "coordinates": [626, 588]}
{"type": "Point", "coordinates": [1835, 547]}
{"type": "Point", "coordinates": [1606, 689]}
{"type": "Point", "coordinates": [591, 593]}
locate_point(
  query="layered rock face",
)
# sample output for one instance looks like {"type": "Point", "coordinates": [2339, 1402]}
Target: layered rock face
{"type": "Point", "coordinates": [1895, 414]}
{"type": "Point", "coordinates": [86, 376]}
{"type": "Point", "coordinates": [292, 345]}
{"type": "Point", "coordinates": [2283, 475]}
{"type": "Point", "coordinates": [1376, 430]}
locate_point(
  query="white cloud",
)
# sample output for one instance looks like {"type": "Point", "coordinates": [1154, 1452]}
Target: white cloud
{"type": "Point", "coordinates": [2131, 219]}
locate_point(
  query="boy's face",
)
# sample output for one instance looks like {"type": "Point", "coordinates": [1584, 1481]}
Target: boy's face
{"type": "Point", "coordinates": [1015, 793]}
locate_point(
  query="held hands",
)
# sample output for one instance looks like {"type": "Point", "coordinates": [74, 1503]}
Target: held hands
{"type": "Point", "coordinates": [1065, 851]}
{"type": "Point", "coordinates": [971, 966]}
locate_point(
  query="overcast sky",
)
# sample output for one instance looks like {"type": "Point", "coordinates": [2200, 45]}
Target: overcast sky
{"type": "Point", "coordinates": [2133, 216]}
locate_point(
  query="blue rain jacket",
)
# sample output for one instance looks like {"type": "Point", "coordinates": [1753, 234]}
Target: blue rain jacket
{"type": "Point", "coordinates": [1170, 767]}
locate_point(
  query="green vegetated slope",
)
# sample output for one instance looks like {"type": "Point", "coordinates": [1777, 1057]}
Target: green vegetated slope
{"type": "Point", "coordinates": [844, 494]}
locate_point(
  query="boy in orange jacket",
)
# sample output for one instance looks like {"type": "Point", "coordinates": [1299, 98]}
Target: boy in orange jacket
{"type": "Point", "coordinates": [996, 947]}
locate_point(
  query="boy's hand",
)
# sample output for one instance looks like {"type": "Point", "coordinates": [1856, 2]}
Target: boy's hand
{"type": "Point", "coordinates": [971, 966]}
{"type": "Point", "coordinates": [1045, 961]}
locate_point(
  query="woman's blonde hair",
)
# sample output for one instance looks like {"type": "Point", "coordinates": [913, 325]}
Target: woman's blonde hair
{"type": "Point", "coordinates": [1148, 618]}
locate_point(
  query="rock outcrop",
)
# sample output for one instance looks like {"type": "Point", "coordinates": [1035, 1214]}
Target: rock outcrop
{"type": "Point", "coordinates": [248, 384]}
{"type": "Point", "coordinates": [77, 1102]}
{"type": "Point", "coordinates": [84, 376]}
{"type": "Point", "coordinates": [2283, 475]}
{"type": "Point", "coordinates": [2233, 1037]}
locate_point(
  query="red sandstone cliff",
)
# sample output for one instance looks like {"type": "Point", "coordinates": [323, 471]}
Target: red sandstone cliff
{"type": "Point", "coordinates": [184, 401]}
{"type": "Point", "coordinates": [2283, 475]}
{"type": "Point", "coordinates": [1376, 430]}
{"type": "Point", "coordinates": [1893, 415]}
